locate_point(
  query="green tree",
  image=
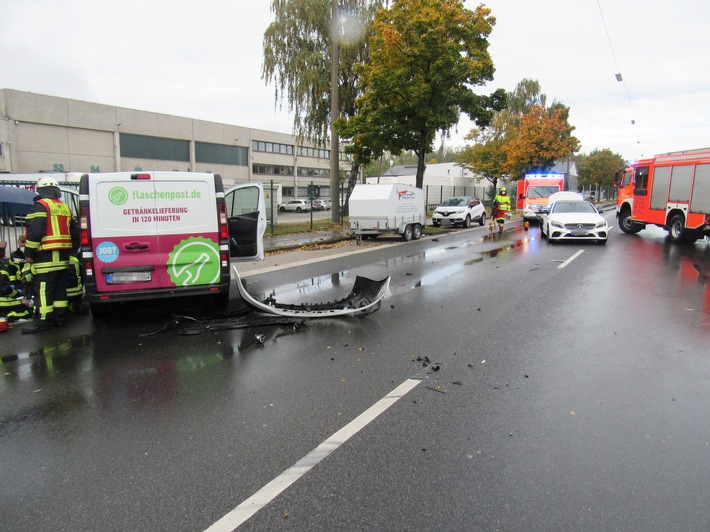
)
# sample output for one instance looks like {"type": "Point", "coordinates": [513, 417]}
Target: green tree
{"type": "Point", "coordinates": [599, 168]}
{"type": "Point", "coordinates": [425, 58]}
{"type": "Point", "coordinates": [297, 60]}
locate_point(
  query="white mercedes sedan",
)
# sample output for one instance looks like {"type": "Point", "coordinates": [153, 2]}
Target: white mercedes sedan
{"type": "Point", "coordinates": [573, 220]}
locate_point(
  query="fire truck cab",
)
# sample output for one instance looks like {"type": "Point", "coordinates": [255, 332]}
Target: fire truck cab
{"type": "Point", "coordinates": [670, 190]}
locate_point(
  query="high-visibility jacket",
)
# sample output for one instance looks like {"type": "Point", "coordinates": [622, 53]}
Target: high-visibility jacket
{"type": "Point", "coordinates": [49, 235]}
{"type": "Point", "coordinates": [502, 202]}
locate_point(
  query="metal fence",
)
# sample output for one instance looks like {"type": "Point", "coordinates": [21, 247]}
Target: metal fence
{"type": "Point", "coordinates": [435, 195]}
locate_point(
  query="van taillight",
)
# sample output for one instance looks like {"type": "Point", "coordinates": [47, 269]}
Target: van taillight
{"type": "Point", "coordinates": [222, 217]}
{"type": "Point", "coordinates": [84, 227]}
{"type": "Point", "coordinates": [140, 176]}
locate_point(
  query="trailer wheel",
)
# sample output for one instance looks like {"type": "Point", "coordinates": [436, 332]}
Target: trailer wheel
{"type": "Point", "coordinates": [676, 229]}
{"type": "Point", "coordinates": [482, 220]}
{"type": "Point", "coordinates": [417, 232]}
{"type": "Point", "coordinates": [407, 235]}
{"type": "Point", "coordinates": [626, 224]}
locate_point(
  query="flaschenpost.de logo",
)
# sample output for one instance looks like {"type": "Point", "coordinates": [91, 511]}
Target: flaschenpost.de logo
{"type": "Point", "coordinates": [118, 195]}
{"type": "Point", "coordinates": [194, 261]}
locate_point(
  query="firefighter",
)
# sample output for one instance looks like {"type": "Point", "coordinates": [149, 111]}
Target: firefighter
{"type": "Point", "coordinates": [501, 207]}
{"type": "Point", "coordinates": [18, 256]}
{"type": "Point", "coordinates": [12, 305]}
{"type": "Point", "coordinates": [75, 287]}
{"type": "Point", "coordinates": [50, 231]}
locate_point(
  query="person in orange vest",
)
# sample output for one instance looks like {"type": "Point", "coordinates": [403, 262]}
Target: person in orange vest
{"type": "Point", "coordinates": [51, 237]}
{"type": "Point", "coordinates": [501, 207]}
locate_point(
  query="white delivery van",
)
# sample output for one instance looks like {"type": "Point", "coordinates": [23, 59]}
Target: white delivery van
{"type": "Point", "coordinates": [154, 235]}
{"type": "Point", "coordinates": [377, 209]}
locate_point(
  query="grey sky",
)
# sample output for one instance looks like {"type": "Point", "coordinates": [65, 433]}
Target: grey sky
{"type": "Point", "coordinates": [203, 60]}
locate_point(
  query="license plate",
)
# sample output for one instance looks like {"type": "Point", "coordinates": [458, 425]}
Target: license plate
{"type": "Point", "coordinates": [128, 277]}
{"type": "Point", "coordinates": [579, 232]}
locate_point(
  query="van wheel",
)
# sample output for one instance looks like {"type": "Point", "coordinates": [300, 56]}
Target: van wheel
{"type": "Point", "coordinates": [417, 232]}
{"type": "Point", "coordinates": [100, 310]}
{"type": "Point", "coordinates": [221, 300]}
{"type": "Point", "coordinates": [407, 235]}
{"type": "Point", "coordinates": [482, 220]}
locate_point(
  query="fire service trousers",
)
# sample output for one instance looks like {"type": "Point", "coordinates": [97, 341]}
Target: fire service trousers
{"type": "Point", "coordinates": [50, 296]}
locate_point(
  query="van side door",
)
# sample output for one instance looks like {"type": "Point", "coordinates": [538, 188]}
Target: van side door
{"type": "Point", "coordinates": [246, 218]}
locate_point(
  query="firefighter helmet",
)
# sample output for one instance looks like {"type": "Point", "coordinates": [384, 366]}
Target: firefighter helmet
{"type": "Point", "coordinates": [47, 182]}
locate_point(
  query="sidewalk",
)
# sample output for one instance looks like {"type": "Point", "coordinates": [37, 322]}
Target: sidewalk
{"type": "Point", "coordinates": [297, 240]}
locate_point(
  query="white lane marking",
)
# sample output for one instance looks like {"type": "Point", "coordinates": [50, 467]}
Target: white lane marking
{"type": "Point", "coordinates": [269, 492]}
{"type": "Point", "coordinates": [565, 263]}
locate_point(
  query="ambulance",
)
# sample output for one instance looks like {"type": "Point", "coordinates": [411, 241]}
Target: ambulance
{"type": "Point", "coordinates": [153, 235]}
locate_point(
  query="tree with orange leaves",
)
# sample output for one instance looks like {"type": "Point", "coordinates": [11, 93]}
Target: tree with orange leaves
{"type": "Point", "coordinates": [543, 137]}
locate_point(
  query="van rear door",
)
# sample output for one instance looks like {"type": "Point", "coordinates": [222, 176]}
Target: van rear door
{"type": "Point", "coordinates": [154, 230]}
{"type": "Point", "coordinates": [246, 215]}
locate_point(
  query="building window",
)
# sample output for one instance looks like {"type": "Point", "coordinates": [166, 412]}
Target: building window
{"type": "Point", "coordinates": [272, 147]}
{"type": "Point", "coordinates": [313, 172]}
{"type": "Point", "coordinates": [2, 149]}
{"type": "Point", "coordinates": [206, 152]}
{"type": "Point", "coordinates": [287, 192]}
{"type": "Point", "coordinates": [272, 169]}
{"type": "Point", "coordinates": [306, 151]}
{"type": "Point", "coordinates": [161, 149]}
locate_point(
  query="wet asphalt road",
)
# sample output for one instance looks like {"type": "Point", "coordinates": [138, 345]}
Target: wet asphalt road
{"type": "Point", "coordinates": [547, 398]}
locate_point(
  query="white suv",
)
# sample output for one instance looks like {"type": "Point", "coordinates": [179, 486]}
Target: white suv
{"type": "Point", "coordinates": [297, 205]}
{"type": "Point", "coordinates": [459, 210]}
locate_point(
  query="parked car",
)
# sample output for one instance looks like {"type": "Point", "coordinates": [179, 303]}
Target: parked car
{"type": "Point", "coordinates": [459, 210]}
{"type": "Point", "coordinates": [573, 220]}
{"type": "Point", "coordinates": [327, 204]}
{"type": "Point", "coordinates": [297, 205]}
{"type": "Point", "coordinates": [318, 205]}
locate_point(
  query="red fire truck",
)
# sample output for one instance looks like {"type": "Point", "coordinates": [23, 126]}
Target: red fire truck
{"type": "Point", "coordinates": [670, 190]}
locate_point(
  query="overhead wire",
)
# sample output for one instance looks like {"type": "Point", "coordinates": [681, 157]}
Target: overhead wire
{"type": "Point", "coordinates": [619, 77]}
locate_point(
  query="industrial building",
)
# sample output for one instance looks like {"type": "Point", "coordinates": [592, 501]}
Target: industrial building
{"type": "Point", "coordinates": [40, 133]}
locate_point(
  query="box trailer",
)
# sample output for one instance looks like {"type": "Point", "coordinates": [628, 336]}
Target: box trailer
{"type": "Point", "coordinates": [387, 209]}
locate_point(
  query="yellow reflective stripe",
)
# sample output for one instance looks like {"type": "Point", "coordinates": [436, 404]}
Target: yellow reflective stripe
{"type": "Point", "coordinates": [38, 214]}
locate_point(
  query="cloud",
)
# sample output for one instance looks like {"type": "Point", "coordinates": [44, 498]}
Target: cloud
{"type": "Point", "coordinates": [203, 60]}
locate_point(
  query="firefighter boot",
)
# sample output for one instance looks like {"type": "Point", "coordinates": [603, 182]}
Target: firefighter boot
{"type": "Point", "coordinates": [37, 326]}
